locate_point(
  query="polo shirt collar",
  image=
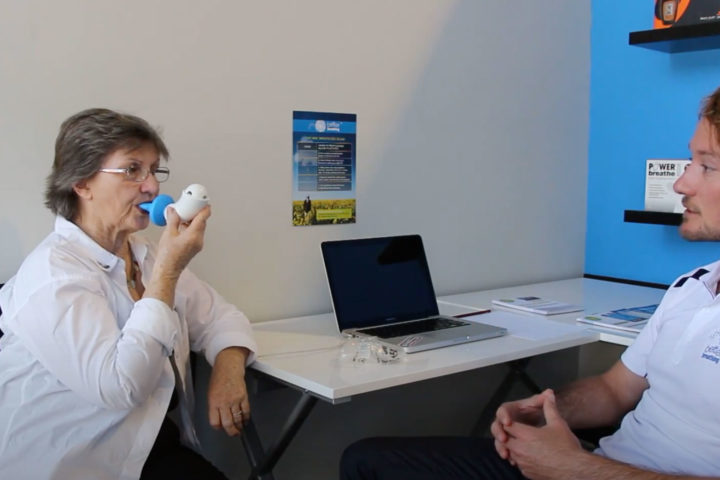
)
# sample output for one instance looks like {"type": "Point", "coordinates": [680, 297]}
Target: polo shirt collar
{"type": "Point", "coordinates": [710, 279]}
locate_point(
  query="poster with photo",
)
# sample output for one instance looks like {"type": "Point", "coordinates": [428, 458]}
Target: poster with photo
{"type": "Point", "coordinates": [323, 168]}
{"type": "Point", "coordinates": [660, 178]}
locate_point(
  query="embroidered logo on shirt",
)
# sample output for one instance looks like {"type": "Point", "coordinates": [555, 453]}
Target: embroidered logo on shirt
{"type": "Point", "coordinates": [712, 351]}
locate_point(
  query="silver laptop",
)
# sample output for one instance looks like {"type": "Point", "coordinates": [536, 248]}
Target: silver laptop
{"type": "Point", "coordinates": [381, 287]}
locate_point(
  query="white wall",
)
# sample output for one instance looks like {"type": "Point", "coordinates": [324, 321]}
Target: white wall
{"type": "Point", "coordinates": [472, 126]}
{"type": "Point", "coordinates": [472, 131]}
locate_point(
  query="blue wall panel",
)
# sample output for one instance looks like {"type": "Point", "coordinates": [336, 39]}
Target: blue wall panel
{"type": "Point", "coordinates": [643, 104]}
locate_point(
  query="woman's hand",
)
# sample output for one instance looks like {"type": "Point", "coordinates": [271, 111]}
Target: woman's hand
{"type": "Point", "coordinates": [228, 403]}
{"type": "Point", "coordinates": [179, 243]}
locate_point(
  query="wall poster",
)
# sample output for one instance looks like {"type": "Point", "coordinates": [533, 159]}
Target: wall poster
{"type": "Point", "coordinates": [323, 168]}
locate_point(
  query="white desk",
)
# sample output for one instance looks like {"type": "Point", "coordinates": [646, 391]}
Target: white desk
{"type": "Point", "coordinates": [303, 352]}
{"type": "Point", "coordinates": [594, 295]}
{"type": "Point", "coordinates": [317, 369]}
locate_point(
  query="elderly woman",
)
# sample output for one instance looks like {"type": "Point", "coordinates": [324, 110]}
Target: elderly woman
{"type": "Point", "coordinates": [99, 323]}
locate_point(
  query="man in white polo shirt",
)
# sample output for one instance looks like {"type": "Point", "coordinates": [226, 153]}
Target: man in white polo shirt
{"type": "Point", "coordinates": [665, 388]}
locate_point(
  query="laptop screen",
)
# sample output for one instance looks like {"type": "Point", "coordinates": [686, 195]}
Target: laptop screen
{"type": "Point", "coordinates": [375, 281]}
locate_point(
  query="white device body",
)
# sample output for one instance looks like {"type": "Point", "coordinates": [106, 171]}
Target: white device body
{"type": "Point", "coordinates": [191, 201]}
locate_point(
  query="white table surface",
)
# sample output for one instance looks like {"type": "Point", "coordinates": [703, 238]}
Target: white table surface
{"type": "Point", "coordinates": [595, 296]}
{"type": "Point", "coordinates": [304, 351]}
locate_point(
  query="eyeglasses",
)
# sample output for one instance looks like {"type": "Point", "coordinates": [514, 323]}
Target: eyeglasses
{"type": "Point", "coordinates": [138, 173]}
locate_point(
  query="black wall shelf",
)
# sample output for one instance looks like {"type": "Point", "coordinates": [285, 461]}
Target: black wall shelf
{"type": "Point", "coordinates": [686, 38]}
{"type": "Point", "coordinates": [655, 218]}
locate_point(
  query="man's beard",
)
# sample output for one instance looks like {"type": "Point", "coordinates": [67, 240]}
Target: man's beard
{"type": "Point", "coordinates": [701, 234]}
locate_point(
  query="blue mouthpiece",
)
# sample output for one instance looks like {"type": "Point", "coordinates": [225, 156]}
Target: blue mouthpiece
{"type": "Point", "coordinates": [156, 208]}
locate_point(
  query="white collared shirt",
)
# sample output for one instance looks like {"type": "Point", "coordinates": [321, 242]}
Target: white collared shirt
{"type": "Point", "coordinates": [675, 428]}
{"type": "Point", "coordinates": [85, 376]}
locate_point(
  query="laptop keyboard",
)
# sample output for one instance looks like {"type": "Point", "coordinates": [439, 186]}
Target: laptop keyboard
{"type": "Point", "coordinates": [412, 328]}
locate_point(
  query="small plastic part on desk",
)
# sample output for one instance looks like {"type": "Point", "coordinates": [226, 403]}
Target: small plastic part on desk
{"type": "Point", "coordinates": [537, 305]}
{"type": "Point", "coordinates": [360, 350]}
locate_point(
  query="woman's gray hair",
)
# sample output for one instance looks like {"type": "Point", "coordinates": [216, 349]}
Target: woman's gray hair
{"type": "Point", "coordinates": [84, 142]}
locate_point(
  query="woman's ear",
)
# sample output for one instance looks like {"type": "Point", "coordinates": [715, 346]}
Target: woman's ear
{"type": "Point", "coordinates": [82, 190]}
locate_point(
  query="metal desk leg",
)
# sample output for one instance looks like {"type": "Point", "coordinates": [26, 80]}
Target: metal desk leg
{"type": "Point", "coordinates": [254, 450]}
{"type": "Point", "coordinates": [263, 462]}
{"type": "Point", "coordinates": [517, 372]}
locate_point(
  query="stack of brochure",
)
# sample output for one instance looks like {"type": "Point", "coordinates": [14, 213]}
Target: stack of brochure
{"type": "Point", "coordinates": [537, 305]}
{"type": "Point", "coordinates": [628, 319]}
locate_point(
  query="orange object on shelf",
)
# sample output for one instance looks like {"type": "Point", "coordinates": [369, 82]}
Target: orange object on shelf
{"type": "Point", "coordinates": [669, 13]}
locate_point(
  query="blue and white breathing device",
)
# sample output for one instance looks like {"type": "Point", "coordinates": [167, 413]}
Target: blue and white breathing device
{"type": "Point", "coordinates": [192, 200]}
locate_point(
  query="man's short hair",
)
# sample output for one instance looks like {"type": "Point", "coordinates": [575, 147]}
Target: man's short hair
{"type": "Point", "coordinates": [82, 145]}
{"type": "Point", "coordinates": [710, 109]}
